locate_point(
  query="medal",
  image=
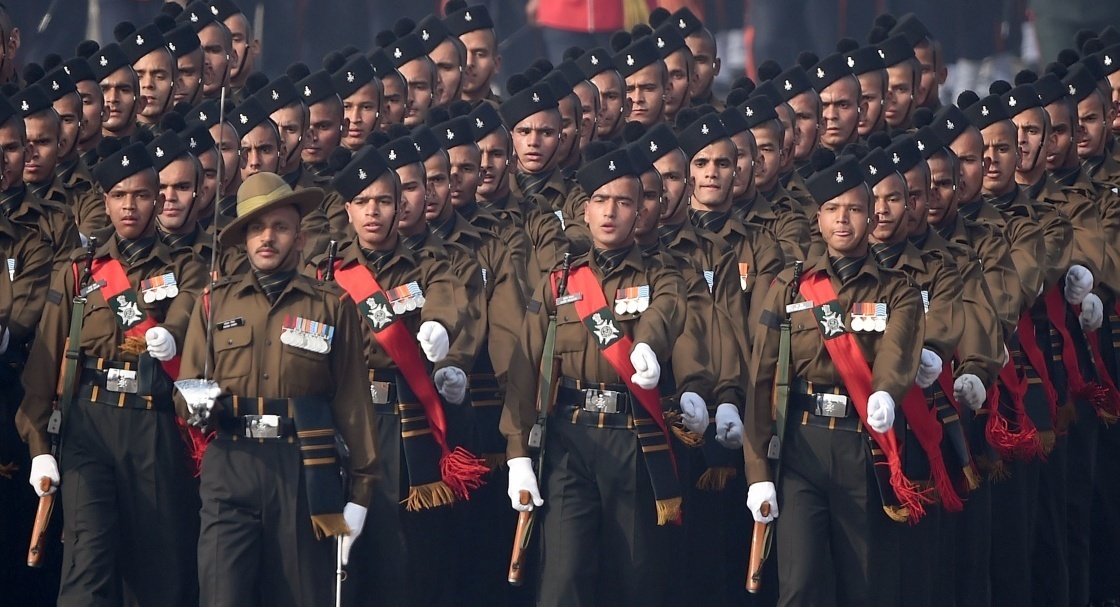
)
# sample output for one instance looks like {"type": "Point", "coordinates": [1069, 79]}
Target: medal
{"type": "Point", "coordinates": [880, 317]}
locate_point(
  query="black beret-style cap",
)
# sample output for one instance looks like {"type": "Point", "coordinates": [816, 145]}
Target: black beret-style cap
{"type": "Point", "coordinates": [79, 70]}
{"type": "Point", "coordinates": [182, 41]}
{"type": "Point", "coordinates": [400, 152]}
{"type": "Point", "coordinates": [986, 112]}
{"type": "Point", "coordinates": [455, 132]}
{"type": "Point", "coordinates": [895, 50]}
{"type": "Point", "coordinates": [166, 148]}
{"type": "Point", "coordinates": [426, 142]}
{"type": "Point", "coordinates": [605, 169]}
{"type": "Point", "coordinates": [559, 84]}
{"type": "Point", "coordinates": [197, 137]}
{"type": "Point", "coordinates": [668, 39]}
{"type": "Point", "coordinates": [829, 70]}
{"type": "Point", "coordinates": [484, 120]}
{"type": "Point", "coordinates": [757, 111]}
{"type": "Point", "coordinates": [829, 183]}
{"type": "Point", "coordinates": [207, 112]}
{"type": "Point", "coordinates": [769, 91]}
{"type": "Point", "coordinates": [432, 33]}
{"type": "Point", "coordinates": [1110, 59]}
{"type": "Point", "coordinates": [865, 59]}
{"type": "Point", "coordinates": [912, 29]}
{"type": "Point", "coordinates": [7, 110]}
{"type": "Point", "coordinates": [733, 120]}
{"type": "Point", "coordinates": [639, 54]}
{"type": "Point", "coordinates": [1050, 89]}
{"type": "Point", "coordinates": [226, 9]}
{"type": "Point", "coordinates": [315, 88]}
{"type": "Point", "coordinates": [277, 94]}
{"type": "Point", "coordinates": [365, 167]}
{"type": "Point", "coordinates": [904, 153]}
{"type": "Point", "coordinates": [928, 142]}
{"type": "Point", "coordinates": [595, 62]}
{"type": "Point", "coordinates": [876, 166]}
{"type": "Point", "coordinates": [1020, 99]}
{"type": "Point", "coordinates": [143, 41]}
{"type": "Point", "coordinates": [469, 19]}
{"type": "Point", "coordinates": [405, 49]}
{"type": "Point", "coordinates": [572, 74]}
{"type": "Point", "coordinates": [686, 22]}
{"type": "Point", "coordinates": [31, 100]}
{"type": "Point", "coordinates": [949, 123]}
{"type": "Point", "coordinates": [640, 163]}
{"type": "Point", "coordinates": [536, 98]}
{"type": "Point", "coordinates": [1096, 67]}
{"type": "Point", "coordinates": [792, 82]}
{"type": "Point", "coordinates": [657, 142]}
{"type": "Point", "coordinates": [121, 165]}
{"type": "Point", "coordinates": [247, 116]}
{"type": "Point", "coordinates": [705, 131]}
{"type": "Point", "coordinates": [57, 83]}
{"type": "Point", "coordinates": [356, 73]}
{"type": "Point", "coordinates": [381, 63]}
{"type": "Point", "coordinates": [1079, 82]}
{"type": "Point", "coordinates": [198, 14]}
{"type": "Point", "coordinates": [107, 60]}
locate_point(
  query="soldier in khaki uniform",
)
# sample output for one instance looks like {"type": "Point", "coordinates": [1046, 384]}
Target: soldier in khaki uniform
{"type": "Point", "coordinates": [826, 548]}
{"type": "Point", "coordinates": [180, 181]}
{"type": "Point", "coordinates": [475, 29]}
{"type": "Point", "coordinates": [124, 464]}
{"type": "Point", "coordinates": [841, 101]}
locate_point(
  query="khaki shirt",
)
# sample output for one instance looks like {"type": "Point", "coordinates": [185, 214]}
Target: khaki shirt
{"type": "Point", "coordinates": [539, 243]}
{"type": "Point", "coordinates": [995, 261]}
{"type": "Point", "coordinates": [935, 274]}
{"type": "Point", "coordinates": [24, 280]}
{"type": "Point", "coordinates": [1026, 243]}
{"type": "Point", "coordinates": [53, 221]}
{"type": "Point", "coordinates": [1076, 203]}
{"type": "Point", "coordinates": [692, 353]}
{"type": "Point", "coordinates": [467, 338]}
{"type": "Point", "coordinates": [782, 216]}
{"type": "Point", "coordinates": [87, 200]}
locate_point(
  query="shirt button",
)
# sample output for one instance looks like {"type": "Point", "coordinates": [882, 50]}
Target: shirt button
{"type": "Point", "coordinates": [229, 342]}
{"type": "Point", "coordinates": [266, 375]}
{"type": "Point", "coordinates": [268, 342]}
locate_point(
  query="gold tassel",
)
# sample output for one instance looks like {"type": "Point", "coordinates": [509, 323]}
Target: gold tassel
{"type": "Point", "coordinates": [134, 345]}
{"type": "Point", "coordinates": [494, 461]}
{"type": "Point", "coordinates": [689, 438]}
{"type": "Point", "coordinates": [897, 514]}
{"type": "Point", "coordinates": [329, 525]}
{"type": "Point", "coordinates": [1047, 439]}
{"type": "Point", "coordinates": [431, 495]}
{"type": "Point", "coordinates": [634, 12]}
{"type": "Point", "coordinates": [971, 478]}
{"type": "Point", "coordinates": [1067, 414]}
{"type": "Point", "coordinates": [715, 479]}
{"type": "Point", "coordinates": [998, 471]}
{"type": "Point", "coordinates": [1107, 418]}
{"type": "Point", "coordinates": [668, 510]}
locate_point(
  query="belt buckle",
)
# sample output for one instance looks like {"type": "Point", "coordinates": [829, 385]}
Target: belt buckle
{"type": "Point", "coordinates": [379, 391]}
{"type": "Point", "coordinates": [121, 380]}
{"type": "Point", "coordinates": [832, 405]}
{"type": "Point", "coordinates": [600, 401]}
{"type": "Point", "coordinates": [262, 426]}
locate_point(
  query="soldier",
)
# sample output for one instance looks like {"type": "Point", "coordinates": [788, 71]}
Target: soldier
{"type": "Point", "coordinates": [244, 48]}
{"type": "Point", "coordinates": [154, 66]}
{"type": "Point", "coordinates": [475, 29]}
{"type": "Point", "coordinates": [124, 464]}
{"type": "Point", "coordinates": [607, 457]}
{"type": "Point", "coordinates": [80, 69]}
{"type": "Point", "coordinates": [394, 94]}
{"type": "Point", "coordinates": [357, 84]}
{"type": "Point", "coordinates": [270, 479]}
{"type": "Point", "coordinates": [448, 54]}
{"type": "Point", "coordinates": [589, 99]}
{"type": "Point", "coordinates": [841, 101]}
{"type": "Point", "coordinates": [903, 76]}
{"type": "Point", "coordinates": [868, 68]}
{"type": "Point", "coordinates": [645, 75]}
{"type": "Point", "coordinates": [121, 90]}
{"type": "Point", "coordinates": [532, 115]}
{"type": "Point", "coordinates": [406, 51]}
{"type": "Point", "coordinates": [190, 67]}
{"type": "Point", "coordinates": [705, 53]}
{"type": "Point", "coordinates": [930, 56]}
{"type": "Point", "coordinates": [284, 106]}
{"type": "Point", "coordinates": [229, 152]}
{"type": "Point", "coordinates": [798, 93]}
{"type": "Point", "coordinates": [679, 64]}
{"type": "Point", "coordinates": [180, 188]}
{"type": "Point", "coordinates": [1095, 114]}
{"type": "Point", "coordinates": [217, 46]}
{"type": "Point", "coordinates": [326, 120]}
{"type": "Point", "coordinates": [845, 379]}
{"type": "Point", "coordinates": [614, 105]}
{"type": "Point", "coordinates": [261, 149]}
{"type": "Point", "coordinates": [562, 79]}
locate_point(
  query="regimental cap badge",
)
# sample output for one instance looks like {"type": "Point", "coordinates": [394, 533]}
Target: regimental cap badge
{"type": "Point", "coordinates": [681, 24]}
{"type": "Point", "coordinates": [306, 91]}
{"type": "Point", "coordinates": [479, 123]}
{"type": "Point", "coordinates": [450, 134]}
{"type": "Point", "coordinates": [103, 61]}
{"type": "Point", "coordinates": [1107, 60]}
{"type": "Point", "coordinates": [275, 95]}
{"type": "Point", "coordinates": [536, 98]}
{"type": "Point", "coordinates": [871, 169]}
{"type": "Point", "coordinates": [424, 34]}
{"type": "Point", "coordinates": [820, 73]}
{"type": "Point", "coordinates": [397, 52]}
{"type": "Point", "coordinates": [194, 18]}
{"type": "Point", "coordinates": [467, 16]}
{"type": "Point", "coordinates": [851, 61]}
{"type": "Point", "coordinates": [171, 46]}
{"type": "Point", "coordinates": [1072, 90]}
{"type": "Point", "coordinates": [159, 152]}
{"type": "Point", "coordinates": [54, 85]}
{"type": "Point", "coordinates": [193, 143]}
{"type": "Point", "coordinates": [895, 159]}
{"type": "Point", "coordinates": [660, 42]}
{"type": "Point", "coordinates": [750, 110]}
{"type": "Point", "coordinates": [653, 146]}
{"type": "Point", "coordinates": [949, 125]}
{"type": "Point", "coordinates": [610, 166]}
{"type": "Point", "coordinates": [124, 161]}
{"type": "Point", "coordinates": [214, 10]}
{"type": "Point", "coordinates": [983, 110]}
{"type": "Point", "coordinates": [417, 146]}
{"type": "Point", "coordinates": [243, 118]}
{"type": "Point", "coordinates": [704, 129]}
{"type": "Point", "coordinates": [882, 55]}
{"type": "Point", "coordinates": [629, 60]}
{"type": "Point", "coordinates": [24, 106]}
{"type": "Point", "coordinates": [392, 154]}
{"type": "Point", "coordinates": [202, 116]}
{"type": "Point", "coordinates": [362, 174]}
{"type": "Point", "coordinates": [139, 40]}
{"type": "Point", "coordinates": [788, 85]}
{"type": "Point", "coordinates": [594, 60]}
{"type": "Point", "coordinates": [839, 177]}
{"type": "Point", "coordinates": [1011, 101]}
{"type": "Point", "coordinates": [921, 146]}
{"type": "Point", "coordinates": [349, 76]}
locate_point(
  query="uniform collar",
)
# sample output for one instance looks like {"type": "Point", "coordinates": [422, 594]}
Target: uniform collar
{"type": "Point", "coordinates": [249, 282]}
{"type": "Point", "coordinates": [612, 262]}
{"type": "Point", "coordinates": [134, 252]}
{"type": "Point", "coordinates": [444, 229]}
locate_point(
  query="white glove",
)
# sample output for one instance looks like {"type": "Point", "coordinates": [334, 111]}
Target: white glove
{"type": "Point", "coordinates": [1092, 313]}
{"type": "Point", "coordinates": [1079, 281]}
{"type": "Point", "coordinates": [4, 341]}
{"type": "Point", "coordinates": [647, 371]}
{"type": "Point", "coordinates": [968, 389]}
{"type": "Point", "coordinates": [452, 384]}
{"type": "Point", "coordinates": [160, 343]}
{"type": "Point", "coordinates": [694, 412]}
{"type": "Point", "coordinates": [44, 466]}
{"type": "Point", "coordinates": [759, 494]}
{"type": "Point", "coordinates": [880, 411]}
{"type": "Point", "coordinates": [433, 340]}
{"type": "Point", "coordinates": [928, 369]}
{"type": "Point", "coordinates": [355, 516]}
{"type": "Point", "coordinates": [729, 426]}
{"type": "Point", "coordinates": [521, 478]}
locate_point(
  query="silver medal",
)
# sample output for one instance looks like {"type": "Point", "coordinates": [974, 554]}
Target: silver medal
{"type": "Point", "coordinates": [620, 306]}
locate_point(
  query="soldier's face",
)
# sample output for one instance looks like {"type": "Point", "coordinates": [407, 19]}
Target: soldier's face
{"type": "Point", "coordinates": [682, 74]}
{"type": "Point", "coordinates": [1001, 156]}
{"type": "Point", "coordinates": [713, 175]}
{"type": "Point", "coordinates": [177, 192]}
{"type": "Point", "coordinates": [394, 101]}
{"type": "Point", "coordinates": [69, 110]}
{"type": "Point", "coordinates": [217, 54]}
{"type": "Point", "coordinates": [230, 148]}
{"type": "Point", "coordinates": [746, 158]}
{"type": "Point", "coordinates": [889, 201]}
{"type": "Point", "coordinates": [536, 140]}
{"type": "Point", "coordinates": [917, 186]}
{"type": "Point", "coordinates": [769, 156]}
{"type": "Point", "coordinates": [290, 121]}
{"type": "Point", "coordinates": [209, 162]}
{"type": "Point", "coordinates": [1062, 136]}
{"type": "Point", "coordinates": [449, 72]}
{"type": "Point", "coordinates": [942, 191]}
{"type": "Point", "coordinates": [840, 110]}
{"type": "Point", "coordinates": [703, 48]}
{"type": "Point", "coordinates": [273, 239]}
{"type": "Point", "coordinates": [844, 222]}
{"type": "Point", "coordinates": [933, 74]}
{"type": "Point", "coordinates": [93, 104]}
{"type": "Point", "coordinates": [791, 137]}
{"type": "Point", "coordinates": [1114, 83]}
{"type": "Point", "coordinates": [260, 151]}
{"type": "Point", "coordinates": [324, 132]}
{"type": "Point", "coordinates": [241, 37]}
{"type": "Point", "coordinates": [569, 130]}
{"type": "Point", "coordinates": [156, 74]}
{"type": "Point", "coordinates": [969, 148]}
{"type": "Point", "coordinates": [420, 77]}
{"type": "Point", "coordinates": [871, 96]}
{"type": "Point", "coordinates": [673, 168]}
{"type": "Point", "coordinates": [494, 164]}
{"type": "Point", "coordinates": [465, 173]}
{"type": "Point", "coordinates": [14, 151]}
{"type": "Point", "coordinates": [121, 101]}
{"type": "Point", "coordinates": [410, 217]}
{"type": "Point", "coordinates": [645, 89]}
{"type": "Point", "coordinates": [1031, 126]}
{"type": "Point", "coordinates": [652, 204]}
{"type": "Point", "coordinates": [900, 94]}
{"type": "Point", "coordinates": [362, 110]}
{"type": "Point", "coordinates": [612, 213]}
{"type": "Point", "coordinates": [612, 102]}
{"type": "Point", "coordinates": [131, 203]}
{"type": "Point", "coordinates": [42, 146]}
{"type": "Point", "coordinates": [483, 62]}
{"type": "Point", "coordinates": [589, 114]}
{"type": "Point", "coordinates": [188, 77]}
{"type": "Point", "coordinates": [1095, 118]}
{"type": "Point", "coordinates": [438, 197]}
{"type": "Point", "coordinates": [373, 213]}
{"type": "Point", "coordinates": [806, 111]}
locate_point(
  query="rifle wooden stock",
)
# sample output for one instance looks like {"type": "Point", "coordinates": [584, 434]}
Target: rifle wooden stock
{"type": "Point", "coordinates": [39, 530]}
{"type": "Point", "coordinates": [758, 542]}
{"type": "Point", "coordinates": [517, 559]}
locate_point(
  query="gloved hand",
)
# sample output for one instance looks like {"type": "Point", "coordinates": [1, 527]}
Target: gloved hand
{"type": "Point", "coordinates": [762, 493]}
{"type": "Point", "coordinates": [729, 426]}
{"type": "Point", "coordinates": [928, 369]}
{"type": "Point", "coordinates": [433, 340]}
{"type": "Point", "coordinates": [880, 411]}
{"type": "Point", "coordinates": [452, 384]}
{"type": "Point", "coordinates": [1079, 282]}
{"type": "Point", "coordinates": [1092, 313]}
{"type": "Point", "coordinates": [4, 341]}
{"type": "Point", "coordinates": [44, 466]}
{"type": "Point", "coordinates": [160, 343]}
{"type": "Point", "coordinates": [355, 516]}
{"type": "Point", "coordinates": [968, 389]}
{"type": "Point", "coordinates": [694, 412]}
{"type": "Point", "coordinates": [521, 478]}
{"type": "Point", "coordinates": [647, 371]}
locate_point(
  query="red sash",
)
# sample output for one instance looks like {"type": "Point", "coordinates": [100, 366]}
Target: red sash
{"type": "Point", "coordinates": [459, 469]}
{"type": "Point", "coordinates": [923, 421]}
{"type": "Point", "coordinates": [1106, 398]}
{"type": "Point", "coordinates": [853, 369]}
{"type": "Point", "coordinates": [998, 431]}
{"type": "Point", "coordinates": [1028, 343]}
{"type": "Point", "coordinates": [1056, 312]}
{"type": "Point", "coordinates": [121, 297]}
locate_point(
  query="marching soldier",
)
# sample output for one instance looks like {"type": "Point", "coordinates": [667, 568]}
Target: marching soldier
{"type": "Point", "coordinates": [903, 77]}
{"type": "Point", "coordinates": [154, 66]}
{"type": "Point", "coordinates": [394, 94]}
{"type": "Point", "coordinates": [841, 101]}
{"type": "Point", "coordinates": [244, 49]}
{"type": "Point", "coordinates": [475, 29]}
{"type": "Point", "coordinates": [180, 187]}
{"type": "Point", "coordinates": [80, 68]}
{"type": "Point", "coordinates": [645, 77]}
{"type": "Point", "coordinates": [868, 68]}
{"type": "Point", "coordinates": [326, 121]}
{"type": "Point", "coordinates": [190, 66]}
{"type": "Point", "coordinates": [448, 55]}
{"type": "Point", "coordinates": [217, 45]}
{"type": "Point", "coordinates": [357, 84]}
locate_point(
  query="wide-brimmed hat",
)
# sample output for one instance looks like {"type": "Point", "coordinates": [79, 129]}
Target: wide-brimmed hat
{"type": "Point", "coordinates": [264, 192]}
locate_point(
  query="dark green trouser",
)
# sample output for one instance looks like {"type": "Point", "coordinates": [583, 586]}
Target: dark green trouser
{"type": "Point", "coordinates": [131, 513]}
{"type": "Point", "coordinates": [974, 548]}
{"type": "Point", "coordinates": [1105, 547]}
{"type": "Point", "coordinates": [1080, 476]}
{"type": "Point", "coordinates": [1050, 547]}
{"type": "Point", "coordinates": [1013, 518]}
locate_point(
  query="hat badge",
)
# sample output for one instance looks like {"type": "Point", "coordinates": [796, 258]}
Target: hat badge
{"type": "Point", "coordinates": [214, 9]}
{"type": "Point", "coordinates": [54, 85]}
{"type": "Point", "coordinates": [984, 110]}
{"type": "Point", "coordinates": [479, 123]}
{"type": "Point", "coordinates": [1072, 90]}
{"type": "Point", "coordinates": [124, 161]}
{"type": "Point", "coordinates": [306, 91]}
{"type": "Point", "coordinates": [536, 98]}
{"type": "Point", "coordinates": [193, 143]}
{"type": "Point", "coordinates": [171, 46]}
{"type": "Point", "coordinates": [139, 40]}
{"type": "Point", "coordinates": [397, 52]}
{"type": "Point", "coordinates": [921, 146]}
{"type": "Point", "coordinates": [194, 18]}
{"type": "Point", "coordinates": [424, 34]}
{"type": "Point", "coordinates": [820, 73]}
{"type": "Point", "coordinates": [362, 174]}
{"type": "Point", "coordinates": [629, 60]}
{"type": "Point", "coordinates": [392, 154]}
{"type": "Point", "coordinates": [653, 146]}
{"type": "Point", "coordinates": [788, 85]}
{"type": "Point", "coordinates": [24, 106]}
{"type": "Point", "coordinates": [851, 61]}
{"type": "Point", "coordinates": [244, 119]}
{"type": "Point", "coordinates": [416, 145]}
{"type": "Point", "coordinates": [349, 76]}
{"type": "Point", "coordinates": [594, 60]}
{"type": "Point", "coordinates": [882, 55]}
{"type": "Point", "coordinates": [839, 177]}
{"type": "Point", "coordinates": [704, 129]}
{"type": "Point", "coordinates": [275, 95]}
{"type": "Point", "coordinates": [66, 69]}
{"type": "Point", "coordinates": [103, 61]}
{"type": "Point", "coordinates": [1011, 101]}
{"type": "Point", "coordinates": [949, 125]}
{"type": "Point", "coordinates": [202, 116]}
{"type": "Point", "coordinates": [1107, 60]}
{"type": "Point", "coordinates": [610, 166]}
{"type": "Point", "coordinates": [749, 111]}
{"type": "Point", "coordinates": [895, 159]}
{"type": "Point", "coordinates": [660, 42]}
{"type": "Point", "coordinates": [681, 24]}
{"type": "Point", "coordinates": [467, 16]}
{"type": "Point", "coordinates": [871, 169]}
{"type": "Point", "coordinates": [450, 134]}
{"type": "Point", "coordinates": [159, 152]}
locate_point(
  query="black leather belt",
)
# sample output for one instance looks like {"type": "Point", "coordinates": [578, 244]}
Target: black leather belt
{"type": "Point", "coordinates": [257, 426]}
{"type": "Point", "coordinates": [115, 384]}
{"type": "Point", "coordinates": [594, 397]}
{"type": "Point", "coordinates": [823, 406]}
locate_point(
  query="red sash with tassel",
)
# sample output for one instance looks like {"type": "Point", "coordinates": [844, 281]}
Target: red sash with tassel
{"type": "Point", "coordinates": [1028, 343]}
{"type": "Point", "coordinates": [1003, 439]}
{"type": "Point", "coordinates": [1106, 399]}
{"type": "Point", "coordinates": [853, 369]}
{"type": "Point", "coordinates": [923, 421]}
{"type": "Point", "coordinates": [957, 437]}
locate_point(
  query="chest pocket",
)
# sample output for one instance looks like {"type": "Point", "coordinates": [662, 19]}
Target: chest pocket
{"type": "Point", "coordinates": [233, 352]}
{"type": "Point", "coordinates": [571, 336]}
{"type": "Point", "coordinates": [99, 324]}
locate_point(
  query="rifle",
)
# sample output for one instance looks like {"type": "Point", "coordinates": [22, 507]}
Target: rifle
{"type": "Point", "coordinates": [332, 253]}
{"type": "Point", "coordinates": [67, 385]}
{"type": "Point", "coordinates": [546, 397]}
{"type": "Point", "coordinates": [762, 536]}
